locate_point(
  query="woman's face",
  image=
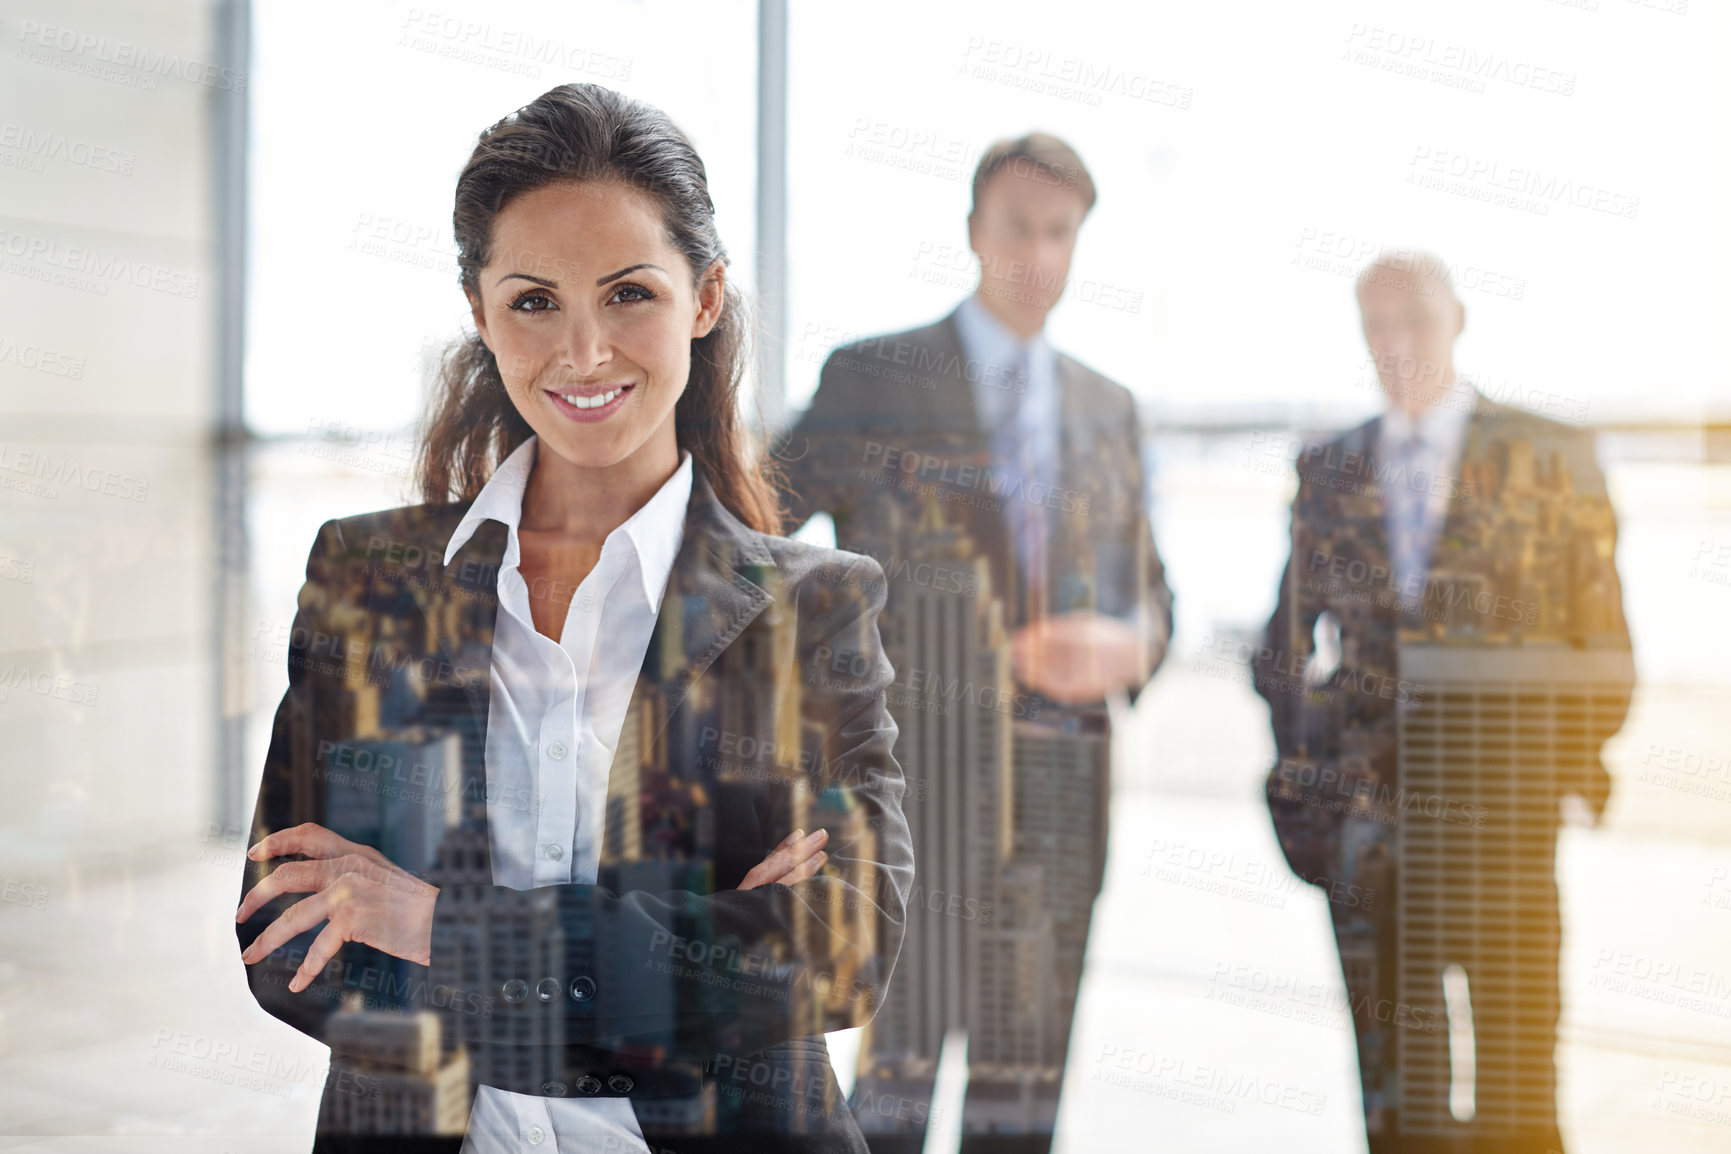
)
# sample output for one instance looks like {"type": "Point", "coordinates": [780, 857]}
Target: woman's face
{"type": "Point", "coordinates": [590, 312]}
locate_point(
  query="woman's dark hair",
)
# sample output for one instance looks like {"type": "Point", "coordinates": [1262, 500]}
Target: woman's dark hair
{"type": "Point", "coordinates": [584, 132]}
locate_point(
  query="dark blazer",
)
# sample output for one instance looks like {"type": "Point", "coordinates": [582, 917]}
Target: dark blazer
{"type": "Point", "coordinates": [908, 394]}
{"type": "Point", "coordinates": [1418, 782]}
{"type": "Point", "coordinates": [663, 983]}
{"type": "Point", "coordinates": [892, 448]}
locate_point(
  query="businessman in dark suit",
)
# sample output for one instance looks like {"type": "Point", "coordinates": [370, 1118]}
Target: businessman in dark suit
{"type": "Point", "coordinates": [674, 982]}
{"type": "Point", "coordinates": [1447, 656]}
{"type": "Point", "coordinates": [1000, 483]}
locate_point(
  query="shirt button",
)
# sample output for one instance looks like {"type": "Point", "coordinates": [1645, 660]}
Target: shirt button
{"type": "Point", "coordinates": [537, 1135]}
{"type": "Point", "coordinates": [557, 751]}
{"type": "Point", "coordinates": [554, 853]}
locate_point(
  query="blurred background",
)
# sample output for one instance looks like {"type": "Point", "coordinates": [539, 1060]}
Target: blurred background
{"type": "Point", "coordinates": [226, 267]}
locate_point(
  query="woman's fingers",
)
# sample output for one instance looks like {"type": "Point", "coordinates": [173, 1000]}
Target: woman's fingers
{"type": "Point", "coordinates": [805, 869]}
{"type": "Point", "coordinates": [294, 877]}
{"type": "Point", "coordinates": [323, 949]}
{"type": "Point", "coordinates": [308, 838]}
{"type": "Point", "coordinates": [795, 850]}
{"type": "Point", "coordinates": [296, 920]}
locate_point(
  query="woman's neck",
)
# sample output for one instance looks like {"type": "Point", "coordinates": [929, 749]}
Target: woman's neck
{"type": "Point", "coordinates": [588, 503]}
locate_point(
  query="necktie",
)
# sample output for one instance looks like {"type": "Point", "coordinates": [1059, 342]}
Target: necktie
{"type": "Point", "coordinates": [1023, 489]}
{"type": "Point", "coordinates": [1407, 486]}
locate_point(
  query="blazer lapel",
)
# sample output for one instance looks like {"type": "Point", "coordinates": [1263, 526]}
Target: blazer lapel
{"type": "Point", "coordinates": [711, 597]}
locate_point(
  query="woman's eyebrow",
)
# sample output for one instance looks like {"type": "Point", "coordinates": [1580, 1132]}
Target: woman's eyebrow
{"type": "Point", "coordinates": [538, 280]}
{"type": "Point", "coordinates": [633, 268]}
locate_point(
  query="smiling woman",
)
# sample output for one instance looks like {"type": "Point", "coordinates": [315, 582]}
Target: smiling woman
{"type": "Point", "coordinates": [621, 245]}
{"type": "Point", "coordinates": [496, 773]}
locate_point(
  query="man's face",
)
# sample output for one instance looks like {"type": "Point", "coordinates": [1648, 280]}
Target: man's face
{"type": "Point", "coordinates": [1410, 326]}
{"type": "Point", "coordinates": [1024, 232]}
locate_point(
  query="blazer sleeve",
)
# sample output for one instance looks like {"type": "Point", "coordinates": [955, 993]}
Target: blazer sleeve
{"type": "Point", "coordinates": [1309, 835]}
{"type": "Point", "coordinates": [1156, 597]}
{"type": "Point", "coordinates": [828, 431]}
{"type": "Point", "coordinates": [1610, 706]}
{"type": "Point", "coordinates": [315, 654]}
{"type": "Point", "coordinates": [737, 971]}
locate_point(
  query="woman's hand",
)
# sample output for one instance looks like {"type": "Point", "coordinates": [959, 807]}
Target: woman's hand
{"type": "Point", "coordinates": [794, 860]}
{"type": "Point", "coordinates": [363, 896]}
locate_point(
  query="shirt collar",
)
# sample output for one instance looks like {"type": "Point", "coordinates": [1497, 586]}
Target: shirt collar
{"type": "Point", "coordinates": [993, 346]}
{"type": "Point", "coordinates": [1440, 425]}
{"type": "Point", "coordinates": [990, 339]}
{"type": "Point", "coordinates": [655, 531]}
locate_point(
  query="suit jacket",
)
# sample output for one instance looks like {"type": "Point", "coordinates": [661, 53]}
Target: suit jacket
{"type": "Point", "coordinates": [1419, 778]}
{"type": "Point", "coordinates": [892, 448]}
{"type": "Point", "coordinates": [663, 983]}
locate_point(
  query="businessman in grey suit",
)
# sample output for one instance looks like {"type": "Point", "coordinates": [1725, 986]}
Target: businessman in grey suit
{"type": "Point", "coordinates": [1000, 484]}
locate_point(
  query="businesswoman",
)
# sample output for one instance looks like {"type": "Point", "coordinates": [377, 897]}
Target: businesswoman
{"type": "Point", "coordinates": [580, 825]}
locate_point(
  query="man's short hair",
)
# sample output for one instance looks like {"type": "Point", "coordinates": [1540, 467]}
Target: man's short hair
{"type": "Point", "coordinates": [1040, 155]}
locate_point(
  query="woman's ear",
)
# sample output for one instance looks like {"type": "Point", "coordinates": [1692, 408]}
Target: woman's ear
{"type": "Point", "coordinates": [711, 295]}
{"type": "Point", "coordinates": [479, 316]}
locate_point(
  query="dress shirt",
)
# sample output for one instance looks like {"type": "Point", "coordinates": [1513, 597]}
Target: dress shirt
{"type": "Point", "coordinates": [1015, 387]}
{"type": "Point", "coordinates": [1441, 429]}
{"type": "Point", "coordinates": [991, 350]}
{"type": "Point", "coordinates": [554, 721]}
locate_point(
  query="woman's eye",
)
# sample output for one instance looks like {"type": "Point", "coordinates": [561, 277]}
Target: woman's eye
{"type": "Point", "coordinates": [532, 302]}
{"type": "Point", "coordinates": [636, 293]}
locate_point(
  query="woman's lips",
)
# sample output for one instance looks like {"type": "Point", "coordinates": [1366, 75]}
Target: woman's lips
{"type": "Point", "coordinates": [590, 405]}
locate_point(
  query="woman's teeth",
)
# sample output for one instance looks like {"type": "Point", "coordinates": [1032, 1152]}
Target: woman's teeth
{"type": "Point", "coordinates": [594, 402]}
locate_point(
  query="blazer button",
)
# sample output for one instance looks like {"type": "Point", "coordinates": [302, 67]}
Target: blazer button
{"type": "Point", "coordinates": [553, 1089]}
{"type": "Point", "coordinates": [582, 988]}
{"type": "Point", "coordinates": [589, 1084]}
{"type": "Point", "coordinates": [620, 1084]}
{"type": "Point", "coordinates": [515, 990]}
{"type": "Point", "coordinates": [547, 989]}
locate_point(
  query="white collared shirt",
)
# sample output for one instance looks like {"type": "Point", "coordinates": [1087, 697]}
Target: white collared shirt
{"type": "Point", "coordinates": [556, 713]}
{"type": "Point", "coordinates": [1442, 427]}
{"type": "Point", "coordinates": [991, 349]}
